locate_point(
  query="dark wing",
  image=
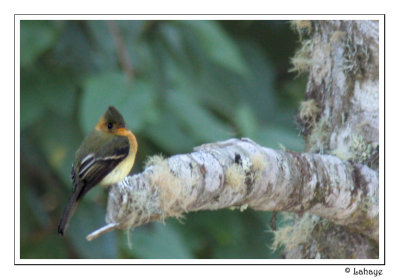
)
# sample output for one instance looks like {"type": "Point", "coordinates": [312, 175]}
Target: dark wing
{"type": "Point", "coordinates": [94, 167]}
{"type": "Point", "coordinates": [73, 176]}
{"type": "Point", "coordinates": [89, 169]}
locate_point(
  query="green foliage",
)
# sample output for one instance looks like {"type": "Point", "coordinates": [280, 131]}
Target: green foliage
{"type": "Point", "coordinates": [217, 46]}
{"type": "Point", "coordinates": [156, 241]}
{"type": "Point", "coordinates": [178, 84]}
{"type": "Point", "coordinates": [135, 100]}
{"type": "Point", "coordinates": [36, 38]}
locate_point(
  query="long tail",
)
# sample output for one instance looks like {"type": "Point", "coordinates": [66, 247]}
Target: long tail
{"type": "Point", "coordinates": [68, 212]}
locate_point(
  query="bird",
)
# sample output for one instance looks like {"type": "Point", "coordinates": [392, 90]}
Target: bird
{"type": "Point", "coordinates": [105, 157]}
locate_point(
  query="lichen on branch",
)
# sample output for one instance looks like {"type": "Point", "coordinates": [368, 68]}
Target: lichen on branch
{"type": "Point", "coordinates": [240, 173]}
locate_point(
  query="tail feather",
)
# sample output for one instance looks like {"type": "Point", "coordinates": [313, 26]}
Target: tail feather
{"type": "Point", "coordinates": [68, 213]}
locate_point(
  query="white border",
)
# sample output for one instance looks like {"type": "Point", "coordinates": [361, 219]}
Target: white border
{"type": "Point", "coordinates": [194, 17]}
{"type": "Point", "coordinates": [17, 141]}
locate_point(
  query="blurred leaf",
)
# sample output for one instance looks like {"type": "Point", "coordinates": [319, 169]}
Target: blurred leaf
{"type": "Point", "coordinates": [151, 61]}
{"type": "Point", "coordinates": [74, 50]}
{"type": "Point", "coordinates": [148, 59]}
{"type": "Point", "coordinates": [205, 88]}
{"type": "Point", "coordinates": [200, 123]}
{"type": "Point", "coordinates": [106, 47]}
{"type": "Point", "coordinates": [31, 109]}
{"type": "Point", "coordinates": [173, 38]}
{"type": "Point", "coordinates": [135, 100]}
{"type": "Point", "coordinates": [275, 137]}
{"type": "Point", "coordinates": [169, 136]}
{"type": "Point", "coordinates": [158, 241]}
{"type": "Point", "coordinates": [36, 208]}
{"type": "Point", "coordinates": [246, 121]}
{"type": "Point", "coordinates": [293, 91]}
{"type": "Point", "coordinates": [131, 30]}
{"type": "Point", "coordinates": [194, 238]}
{"type": "Point", "coordinates": [28, 224]}
{"type": "Point", "coordinates": [32, 211]}
{"type": "Point", "coordinates": [44, 247]}
{"type": "Point", "coordinates": [217, 45]}
{"type": "Point", "coordinates": [220, 91]}
{"type": "Point", "coordinates": [259, 89]}
{"type": "Point", "coordinates": [36, 37]}
{"type": "Point", "coordinates": [89, 217]}
{"type": "Point", "coordinates": [179, 52]}
{"type": "Point", "coordinates": [213, 236]}
{"type": "Point", "coordinates": [43, 89]}
{"type": "Point", "coordinates": [241, 236]}
{"type": "Point", "coordinates": [105, 52]}
{"type": "Point", "coordinates": [58, 140]}
{"type": "Point", "coordinates": [253, 241]}
{"type": "Point", "coordinates": [177, 76]}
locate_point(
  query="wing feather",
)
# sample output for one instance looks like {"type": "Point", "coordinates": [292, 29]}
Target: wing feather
{"type": "Point", "coordinates": [95, 166]}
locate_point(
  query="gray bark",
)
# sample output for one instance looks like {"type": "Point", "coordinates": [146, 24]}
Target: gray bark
{"type": "Point", "coordinates": [340, 115]}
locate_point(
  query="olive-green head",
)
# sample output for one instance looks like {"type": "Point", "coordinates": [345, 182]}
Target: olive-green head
{"type": "Point", "coordinates": [111, 120]}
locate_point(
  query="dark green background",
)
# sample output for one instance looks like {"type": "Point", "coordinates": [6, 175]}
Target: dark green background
{"type": "Point", "coordinates": [194, 82]}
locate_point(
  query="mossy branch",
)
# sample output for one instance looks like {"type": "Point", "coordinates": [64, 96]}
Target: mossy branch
{"type": "Point", "coordinates": [339, 116]}
{"type": "Point", "coordinates": [240, 173]}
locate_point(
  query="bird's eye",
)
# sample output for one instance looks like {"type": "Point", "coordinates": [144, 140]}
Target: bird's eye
{"type": "Point", "coordinates": [109, 125]}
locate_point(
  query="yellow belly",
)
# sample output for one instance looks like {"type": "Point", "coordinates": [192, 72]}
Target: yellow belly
{"type": "Point", "coordinates": [120, 171]}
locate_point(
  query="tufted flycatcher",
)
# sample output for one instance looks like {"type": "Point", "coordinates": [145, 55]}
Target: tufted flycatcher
{"type": "Point", "coordinates": [105, 157]}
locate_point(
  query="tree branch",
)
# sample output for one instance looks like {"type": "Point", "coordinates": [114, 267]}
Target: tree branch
{"type": "Point", "coordinates": [241, 173]}
{"type": "Point", "coordinates": [340, 116]}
